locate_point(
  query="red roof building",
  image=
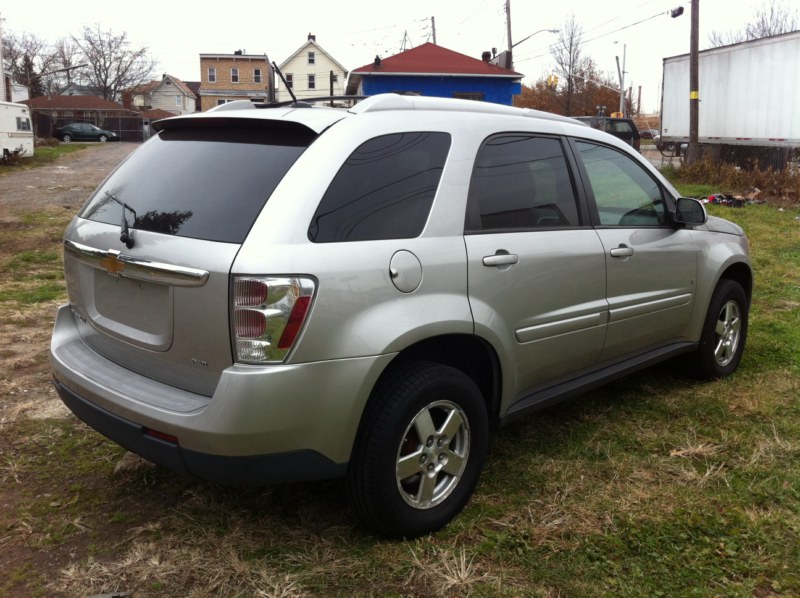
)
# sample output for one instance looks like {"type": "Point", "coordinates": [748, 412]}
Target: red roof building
{"type": "Point", "coordinates": [432, 70]}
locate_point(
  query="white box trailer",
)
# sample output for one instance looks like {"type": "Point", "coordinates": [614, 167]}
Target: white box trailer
{"type": "Point", "coordinates": [16, 132]}
{"type": "Point", "coordinates": [749, 94]}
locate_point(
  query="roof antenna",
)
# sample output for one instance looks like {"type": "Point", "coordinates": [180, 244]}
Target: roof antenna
{"type": "Point", "coordinates": [288, 87]}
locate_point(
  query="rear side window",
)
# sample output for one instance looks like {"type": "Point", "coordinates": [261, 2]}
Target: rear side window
{"type": "Point", "coordinates": [208, 183]}
{"type": "Point", "coordinates": [521, 182]}
{"type": "Point", "coordinates": [384, 190]}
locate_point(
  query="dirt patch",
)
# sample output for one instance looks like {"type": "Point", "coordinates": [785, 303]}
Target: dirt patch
{"type": "Point", "coordinates": [35, 207]}
{"type": "Point", "coordinates": [66, 182]}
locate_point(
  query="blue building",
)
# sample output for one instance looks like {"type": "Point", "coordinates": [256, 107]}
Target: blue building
{"type": "Point", "coordinates": [431, 70]}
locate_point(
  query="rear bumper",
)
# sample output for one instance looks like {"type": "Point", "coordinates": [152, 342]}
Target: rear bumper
{"type": "Point", "coordinates": [263, 424]}
{"type": "Point", "coordinates": [250, 470]}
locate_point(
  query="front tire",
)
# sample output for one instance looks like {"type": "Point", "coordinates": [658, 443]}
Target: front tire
{"type": "Point", "coordinates": [724, 333]}
{"type": "Point", "coordinates": [103, 138]}
{"type": "Point", "coordinates": [420, 450]}
{"type": "Point", "coordinates": [66, 138]}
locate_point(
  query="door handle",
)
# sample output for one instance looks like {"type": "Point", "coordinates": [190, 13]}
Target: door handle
{"type": "Point", "coordinates": [622, 251]}
{"type": "Point", "coordinates": [500, 259]}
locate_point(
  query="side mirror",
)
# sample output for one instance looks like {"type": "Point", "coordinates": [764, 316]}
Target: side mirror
{"type": "Point", "coordinates": [690, 212]}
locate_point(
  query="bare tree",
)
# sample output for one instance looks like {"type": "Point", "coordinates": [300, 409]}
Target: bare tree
{"type": "Point", "coordinates": [67, 57]}
{"type": "Point", "coordinates": [771, 18]}
{"type": "Point", "coordinates": [28, 58]}
{"type": "Point", "coordinates": [569, 59]}
{"type": "Point", "coordinates": [113, 65]}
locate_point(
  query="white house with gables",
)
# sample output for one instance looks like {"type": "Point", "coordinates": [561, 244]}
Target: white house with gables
{"type": "Point", "coordinates": [169, 93]}
{"type": "Point", "coordinates": [311, 72]}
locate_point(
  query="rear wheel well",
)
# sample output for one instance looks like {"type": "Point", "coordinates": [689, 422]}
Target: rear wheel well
{"type": "Point", "coordinates": [469, 354]}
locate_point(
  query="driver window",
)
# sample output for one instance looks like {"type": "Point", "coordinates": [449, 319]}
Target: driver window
{"type": "Point", "coordinates": [625, 194]}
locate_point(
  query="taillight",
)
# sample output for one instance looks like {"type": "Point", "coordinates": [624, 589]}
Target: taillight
{"type": "Point", "coordinates": [268, 316]}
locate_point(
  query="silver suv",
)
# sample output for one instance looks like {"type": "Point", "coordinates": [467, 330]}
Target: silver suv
{"type": "Point", "coordinates": [265, 294]}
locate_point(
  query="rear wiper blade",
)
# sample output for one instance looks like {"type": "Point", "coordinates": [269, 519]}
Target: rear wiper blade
{"type": "Point", "coordinates": [125, 234]}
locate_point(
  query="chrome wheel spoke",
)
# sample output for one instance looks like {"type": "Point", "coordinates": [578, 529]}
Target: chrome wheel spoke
{"type": "Point", "coordinates": [427, 488]}
{"type": "Point", "coordinates": [452, 425]}
{"type": "Point", "coordinates": [454, 463]}
{"type": "Point", "coordinates": [409, 465]}
{"type": "Point", "coordinates": [424, 425]}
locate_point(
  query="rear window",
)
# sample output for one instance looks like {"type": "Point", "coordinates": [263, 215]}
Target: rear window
{"type": "Point", "coordinates": [206, 183]}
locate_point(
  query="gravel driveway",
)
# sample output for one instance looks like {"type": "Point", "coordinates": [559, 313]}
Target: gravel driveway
{"type": "Point", "coordinates": [66, 182]}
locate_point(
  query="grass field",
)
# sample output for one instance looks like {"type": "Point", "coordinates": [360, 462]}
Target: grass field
{"type": "Point", "coordinates": [652, 486]}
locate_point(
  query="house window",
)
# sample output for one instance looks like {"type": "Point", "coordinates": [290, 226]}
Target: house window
{"type": "Point", "coordinates": [221, 102]}
{"type": "Point", "coordinates": [257, 76]}
{"type": "Point", "coordinates": [311, 58]}
{"type": "Point", "coordinates": [212, 75]}
{"type": "Point", "coordinates": [312, 82]}
{"type": "Point", "coordinates": [477, 96]}
{"type": "Point", "coordinates": [290, 80]}
{"type": "Point", "coordinates": [234, 75]}
{"type": "Point", "coordinates": [179, 101]}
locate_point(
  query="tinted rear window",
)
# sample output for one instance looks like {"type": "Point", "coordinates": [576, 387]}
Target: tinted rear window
{"type": "Point", "coordinates": [208, 183]}
{"type": "Point", "coordinates": [384, 190]}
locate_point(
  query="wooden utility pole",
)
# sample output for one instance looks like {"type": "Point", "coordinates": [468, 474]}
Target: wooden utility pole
{"type": "Point", "coordinates": [693, 151]}
{"type": "Point", "coordinates": [509, 60]}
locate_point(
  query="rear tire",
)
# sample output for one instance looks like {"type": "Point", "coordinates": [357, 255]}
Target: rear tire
{"type": "Point", "coordinates": [103, 138]}
{"type": "Point", "coordinates": [66, 138]}
{"type": "Point", "coordinates": [420, 450]}
{"type": "Point", "coordinates": [724, 333]}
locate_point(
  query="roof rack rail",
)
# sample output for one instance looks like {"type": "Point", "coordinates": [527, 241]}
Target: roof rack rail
{"type": "Point", "coordinates": [306, 102]}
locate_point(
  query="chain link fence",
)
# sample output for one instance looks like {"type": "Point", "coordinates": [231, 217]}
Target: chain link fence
{"type": "Point", "coordinates": [745, 157]}
{"type": "Point", "coordinates": [129, 128]}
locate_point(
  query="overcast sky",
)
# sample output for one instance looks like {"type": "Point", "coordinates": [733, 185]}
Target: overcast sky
{"type": "Point", "coordinates": [353, 32]}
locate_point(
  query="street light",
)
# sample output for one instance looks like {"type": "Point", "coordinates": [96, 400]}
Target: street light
{"type": "Point", "coordinates": [509, 60]}
{"type": "Point", "coordinates": [532, 34]}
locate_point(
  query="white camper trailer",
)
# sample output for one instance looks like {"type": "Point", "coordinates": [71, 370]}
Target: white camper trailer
{"type": "Point", "coordinates": [16, 132]}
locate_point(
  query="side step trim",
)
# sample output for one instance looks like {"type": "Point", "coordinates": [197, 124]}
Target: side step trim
{"type": "Point", "coordinates": [544, 397]}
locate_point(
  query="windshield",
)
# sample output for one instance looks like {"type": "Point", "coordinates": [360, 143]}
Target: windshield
{"type": "Point", "coordinates": [202, 183]}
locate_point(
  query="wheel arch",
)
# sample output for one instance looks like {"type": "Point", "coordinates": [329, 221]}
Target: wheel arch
{"type": "Point", "coordinates": [469, 354]}
{"type": "Point", "coordinates": [742, 274]}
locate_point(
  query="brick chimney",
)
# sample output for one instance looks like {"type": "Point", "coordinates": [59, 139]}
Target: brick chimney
{"type": "Point", "coordinates": [312, 38]}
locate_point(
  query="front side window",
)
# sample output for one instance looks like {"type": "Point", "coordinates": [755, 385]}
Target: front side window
{"type": "Point", "coordinates": [23, 123]}
{"type": "Point", "coordinates": [521, 182]}
{"type": "Point", "coordinates": [624, 192]}
{"type": "Point", "coordinates": [212, 75]}
{"type": "Point", "coordinates": [384, 190]}
{"type": "Point", "coordinates": [234, 75]}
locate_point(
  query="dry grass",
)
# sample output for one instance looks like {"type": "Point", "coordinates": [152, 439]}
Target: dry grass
{"type": "Point", "coordinates": [781, 188]}
{"type": "Point", "coordinates": [652, 486]}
